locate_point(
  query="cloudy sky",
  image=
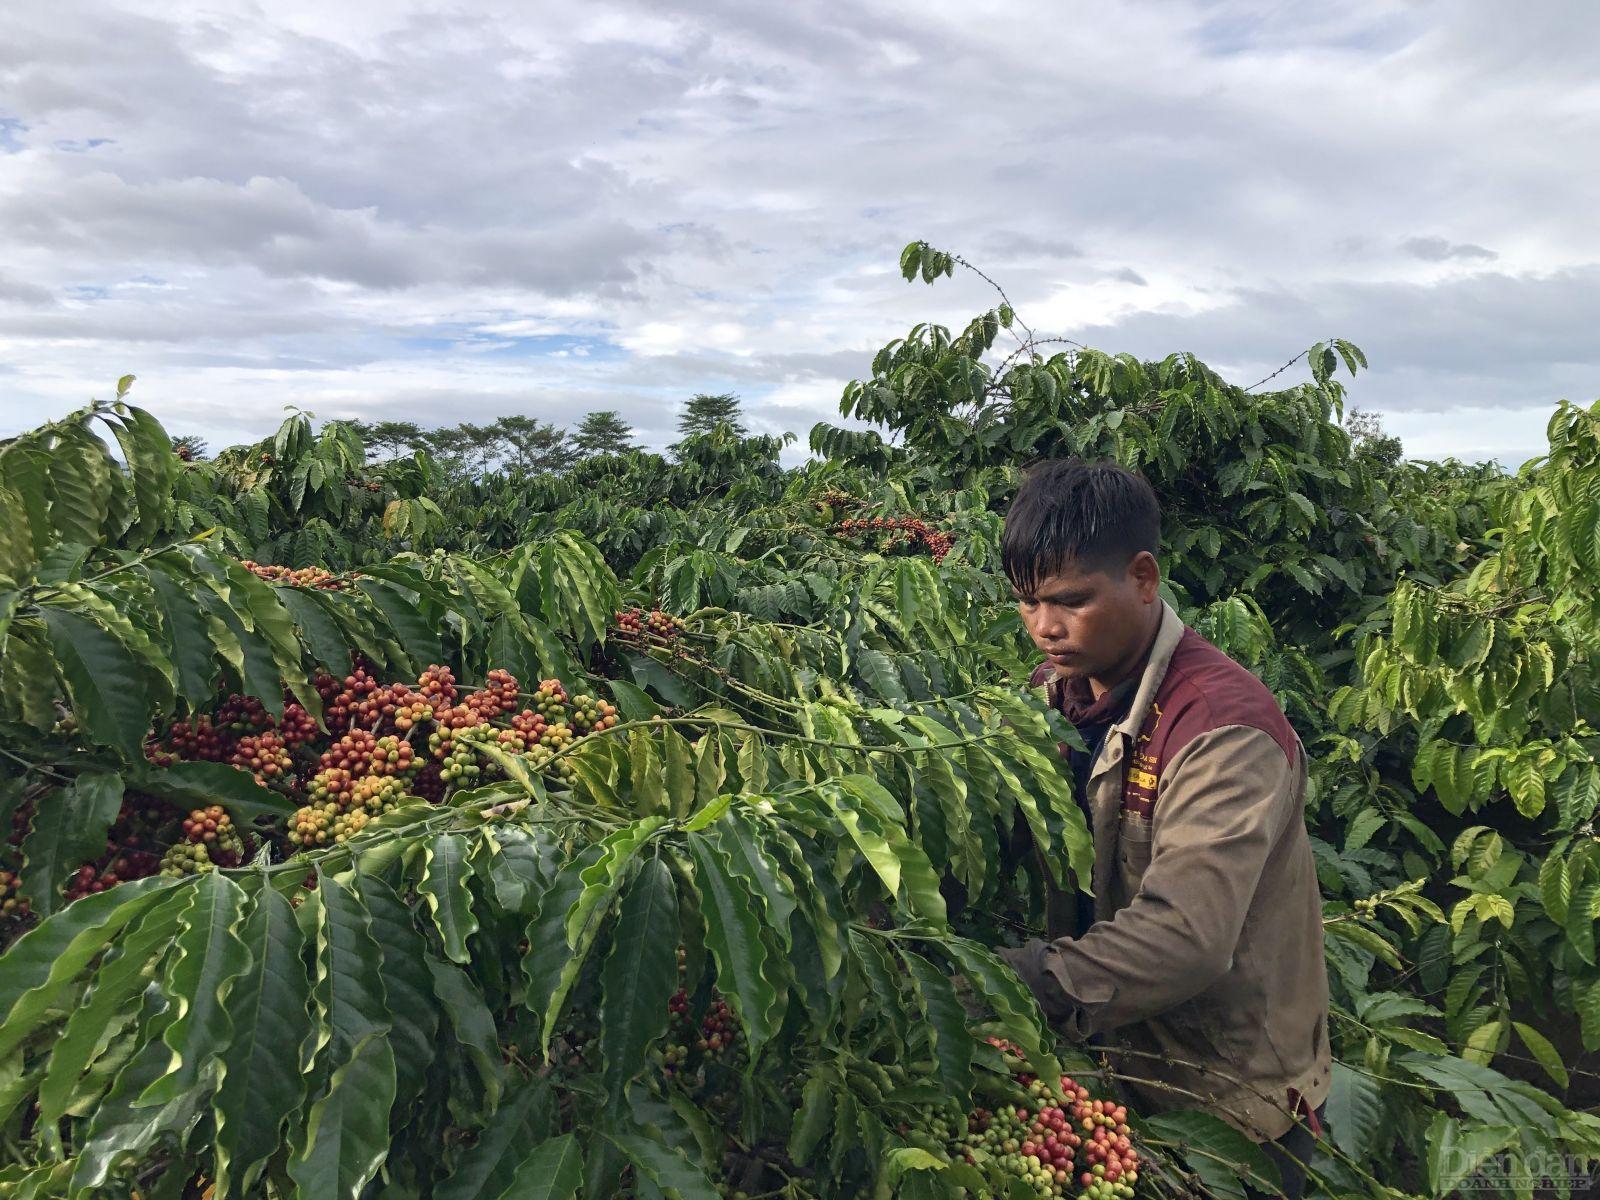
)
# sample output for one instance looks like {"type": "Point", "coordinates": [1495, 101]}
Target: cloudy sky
{"type": "Point", "coordinates": [447, 211]}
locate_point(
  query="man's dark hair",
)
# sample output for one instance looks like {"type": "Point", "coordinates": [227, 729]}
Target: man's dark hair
{"type": "Point", "coordinates": [1096, 515]}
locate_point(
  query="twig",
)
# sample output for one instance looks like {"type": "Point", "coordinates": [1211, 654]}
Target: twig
{"type": "Point", "coordinates": [1016, 320]}
{"type": "Point", "coordinates": [1005, 363]}
{"type": "Point", "coordinates": [33, 766]}
{"type": "Point", "coordinates": [1279, 371]}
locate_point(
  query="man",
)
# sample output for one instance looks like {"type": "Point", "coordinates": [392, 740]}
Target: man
{"type": "Point", "coordinates": [1200, 947]}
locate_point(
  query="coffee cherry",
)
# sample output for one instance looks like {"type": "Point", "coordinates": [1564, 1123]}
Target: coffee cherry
{"type": "Point", "coordinates": [438, 686]}
{"type": "Point", "coordinates": [498, 695]}
{"type": "Point", "coordinates": [13, 905]}
{"type": "Point", "coordinates": [592, 716]}
{"type": "Point", "coordinates": [265, 755]}
{"type": "Point", "coordinates": [550, 700]}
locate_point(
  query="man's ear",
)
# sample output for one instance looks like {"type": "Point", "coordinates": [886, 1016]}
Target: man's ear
{"type": "Point", "coordinates": [1145, 572]}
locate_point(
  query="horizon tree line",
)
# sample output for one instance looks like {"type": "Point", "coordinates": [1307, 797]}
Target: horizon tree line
{"type": "Point", "coordinates": [518, 443]}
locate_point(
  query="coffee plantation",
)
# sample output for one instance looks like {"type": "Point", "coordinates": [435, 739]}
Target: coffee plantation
{"type": "Point", "coordinates": [644, 830]}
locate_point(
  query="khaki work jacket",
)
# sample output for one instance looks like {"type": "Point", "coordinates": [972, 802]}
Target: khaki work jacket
{"type": "Point", "coordinates": [1203, 969]}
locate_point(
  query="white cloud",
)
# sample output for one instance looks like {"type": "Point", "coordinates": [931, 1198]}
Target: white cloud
{"type": "Point", "coordinates": [413, 208]}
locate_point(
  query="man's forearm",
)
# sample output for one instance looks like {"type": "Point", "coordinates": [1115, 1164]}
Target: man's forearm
{"type": "Point", "coordinates": [1120, 971]}
{"type": "Point", "coordinates": [1064, 1012]}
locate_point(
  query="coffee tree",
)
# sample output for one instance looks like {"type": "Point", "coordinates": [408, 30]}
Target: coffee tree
{"type": "Point", "coordinates": [642, 830]}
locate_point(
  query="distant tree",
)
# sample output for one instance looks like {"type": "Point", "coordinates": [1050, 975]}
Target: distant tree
{"type": "Point", "coordinates": [603, 432]}
{"type": "Point", "coordinates": [513, 443]}
{"type": "Point", "coordinates": [388, 439]}
{"type": "Point", "coordinates": [391, 438]}
{"type": "Point", "coordinates": [704, 413]}
{"type": "Point", "coordinates": [1371, 439]}
{"type": "Point", "coordinates": [189, 447]}
{"type": "Point", "coordinates": [459, 450]}
{"type": "Point", "coordinates": [523, 444]}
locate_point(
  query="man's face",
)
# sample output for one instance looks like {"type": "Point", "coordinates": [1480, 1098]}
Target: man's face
{"type": "Point", "coordinates": [1093, 623]}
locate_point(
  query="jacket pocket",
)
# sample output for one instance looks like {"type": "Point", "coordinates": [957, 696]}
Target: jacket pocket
{"type": "Point", "coordinates": [1134, 836]}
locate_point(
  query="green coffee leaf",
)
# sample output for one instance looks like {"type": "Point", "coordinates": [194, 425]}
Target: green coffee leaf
{"type": "Point", "coordinates": [639, 976]}
{"type": "Point", "coordinates": [947, 1022]}
{"type": "Point", "coordinates": [733, 933]}
{"type": "Point", "coordinates": [488, 1167]}
{"type": "Point", "coordinates": [445, 889]}
{"type": "Point", "coordinates": [552, 1171]}
{"type": "Point", "coordinates": [206, 958]}
{"type": "Point", "coordinates": [107, 686]}
{"type": "Point", "coordinates": [261, 1081]}
{"type": "Point", "coordinates": [346, 1135]}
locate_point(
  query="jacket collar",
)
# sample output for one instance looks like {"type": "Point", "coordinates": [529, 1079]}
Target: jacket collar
{"type": "Point", "coordinates": [1168, 635]}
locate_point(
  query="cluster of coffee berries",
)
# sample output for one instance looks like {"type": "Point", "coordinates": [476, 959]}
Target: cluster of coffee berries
{"type": "Point", "coordinates": [1366, 907]}
{"type": "Point", "coordinates": [544, 760]}
{"type": "Point", "coordinates": [498, 696]}
{"type": "Point", "coordinates": [306, 577]}
{"type": "Point", "coordinates": [88, 879]}
{"type": "Point", "coordinates": [719, 1031]}
{"type": "Point", "coordinates": [715, 1038]}
{"type": "Point", "coordinates": [636, 625]}
{"type": "Point", "coordinates": [1079, 1148]}
{"type": "Point", "coordinates": [592, 716]}
{"type": "Point", "coordinates": [457, 716]}
{"type": "Point", "coordinates": [373, 794]}
{"type": "Point", "coordinates": [12, 903]}
{"type": "Point", "coordinates": [361, 752]}
{"type": "Point", "coordinates": [326, 824]}
{"type": "Point", "coordinates": [357, 701]}
{"type": "Point", "coordinates": [214, 827]}
{"type": "Point", "coordinates": [242, 714]}
{"type": "Point", "coordinates": [265, 755]}
{"type": "Point", "coordinates": [341, 804]}
{"type": "Point", "coordinates": [692, 1045]}
{"type": "Point", "coordinates": [379, 746]}
{"type": "Point", "coordinates": [676, 1054]}
{"type": "Point", "coordinates": [528, 725]}
{"type": "Point", "coordinates": [834, 498]}
{"type": "Point", "coordinates": [459, 760]}
{"type": "Point", "coordinates": [209, 841]}
{"type": "Point", "coordinates": [187, 858]}
{"type": "Point", "coordinates": [406, 709]}
{"type": "Point", "coordinates": [892, 533]}
{"type": "Point", "coordinates": [190, 741]}
{"type": "Point", "coordinates": [550, 699]}
{"type": "Point", "coordinates": [296, 727]}
{"type": "Point", "coordinates": [437, 686]}
{"type": "Point", "coordinates": [132, 851]}
{"type": "Point", "coordinates": [239, 731]}
{"type": "Point", "coordinates": [143, 828]}
{"type": "Point", "coordinates": [392, 756]}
